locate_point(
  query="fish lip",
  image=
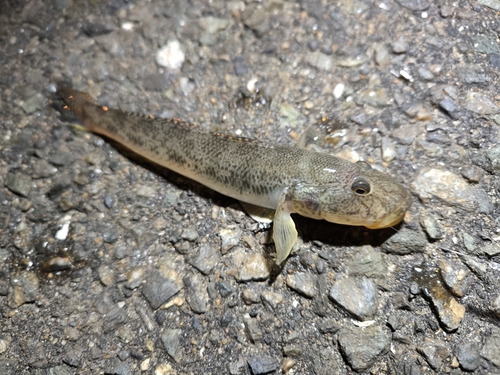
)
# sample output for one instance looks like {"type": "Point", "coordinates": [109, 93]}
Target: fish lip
{"type": "Point", "coordinates": [395, 216]}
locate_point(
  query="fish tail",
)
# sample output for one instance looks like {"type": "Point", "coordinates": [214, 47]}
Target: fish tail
{"type": "Point", "coordinates": [76, 102]}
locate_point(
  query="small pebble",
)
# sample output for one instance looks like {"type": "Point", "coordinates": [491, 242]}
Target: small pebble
{"type": "Point", "coordinates": [480, 103]}
{"type": "Point", "coordinates": [230, 237]}
{"type": "Point", "coordinates": [62, 233]}
{"type": "Point", "coordinates": [425, 74]}
{"type": "Point", "coordinates": [255, 268]}
{"type": "Point", "coordinates": [109, 200]}
{"type": "Point", "coordinates": [468, 355]}
{"type": "Point", "coordinates": [399, 46]}
{"type": "Point", "coordinates": [262, 364]}
{"type": "Point", "coordinates": [135, 278]}
{"type": "Point", "coordinates": [206, 259]}
{"type": "Point", "coordinates": [288, 363]}
{"type": "Point", "coordinates": [189, 234]}
{"type": "Point", "coordinates": [303, 283]}
{"type": "Point", "coordinates": [362, 345]}
{"type": "Point", "coordinates": [456, 276]}
{"type": "Point", "coordinates": [357, 295]}
{"type": "Point", "coordinates": [472, 173]}
{"type": "Point", "coordinates": [435, 352]}
{"type": "Point", "coordinates": [171, 341]}
{"type": "Point", "coordinates": [431, 227]}
{"type": "Point", "coordinates": [106, 275]}
{"type": "Point", "coordinates": [271, 299]}
{"type": "Point", "coordinates": [389, 152]}
{"type": "Point", "coordinates": [449, 311]}
{"type": "Point", "coordinates": [171, 55]}
{"type": "Point", "coordinates": [19, 184]}
{"type": "Point", "coordinates": [449, 106]}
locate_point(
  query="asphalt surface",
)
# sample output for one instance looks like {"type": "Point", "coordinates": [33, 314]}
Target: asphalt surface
{"type": "Point", "coordinates": [112, 265]}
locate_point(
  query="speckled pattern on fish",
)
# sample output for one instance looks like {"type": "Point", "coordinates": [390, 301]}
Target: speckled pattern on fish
{"type": "Point", "coordinates": [285, 179]}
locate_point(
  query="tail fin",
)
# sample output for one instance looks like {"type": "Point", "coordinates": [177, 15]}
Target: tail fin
{"type": "Point", "coordinates": [75, 100]}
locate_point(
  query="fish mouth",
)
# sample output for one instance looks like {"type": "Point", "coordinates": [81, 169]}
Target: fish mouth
{"type": "Point", "coordinates": [395, 216]}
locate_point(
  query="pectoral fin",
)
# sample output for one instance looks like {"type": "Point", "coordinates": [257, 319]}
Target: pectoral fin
{"type": "Point", "coordinates": [284, 232]}
{"type": "Point", "coordinates": [260, 214]}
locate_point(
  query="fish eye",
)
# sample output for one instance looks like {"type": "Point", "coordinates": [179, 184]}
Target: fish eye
{"type": "Point", "coordinates": [361, 186]}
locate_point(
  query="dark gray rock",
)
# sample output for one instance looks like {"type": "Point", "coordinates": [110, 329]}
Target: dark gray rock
{"type": "Point", "coordinates": [405, 241]}
{"type": "Point", "coordinates": [368, 262]}
{"type": "Point", "coordinates": [325, 361]}
{"type": "Point", "coordinates": [271, 299]}
{"type": "Point", "coordinates": [113, 319]}
{"type": "Point", "coordinates": [262, 365]}
{"type": "Point", "coordinates": [158, 289]}
{"type": "Point", "coordinates": [472, 173]}
{"type": "Point", "coordinates": [434, 352]}
{"type": "Point", "coordinates": [448, 105]}
{"type": "Point", "coordinates": [42, 169]}
{"type": "Point", "coordinates": [74, 357]}
{"type": "Point", "coordinates": [438, 136]}
{"type": "Point", "coordinates": [253, 331]}
{"type": "Point", "coordinates": [240, 68]}
{"type": "Point", "coordinates": [357, 295]}
{"type": "Point", "coordinates": [122, 252]}
{"type": "Point", "coordinates": [117, 367]}
{"type": "Point", "coordinates": [110, 234]}
{"type": "Point", "coordinates": [93, 29]}
{"type": "Point", "coordinates": [362, 346]}
{"type": "Point", "coordinates": [303, 283]}
{"type": "Point", "coordinates": [292, 350]}
{"type": "Point", "coordinates": [109, 200]}
{"type": "Point", "coordinates": [431, 227]}
{"type": "Point", "coordinates": [483, 201]}
{"type": "Point", "coordinates": [196, 293]}
{"type": "Point", "coordinates": [394, 322]}
{"type": "Point", "coordinates": [491, 347]}
{"type": "Point", "coordinates": [250, 295]}
{"type": "Point", "coordinates": [456, 276]}
{"type": "Point", "coordinates": [171, 341]}
{"type": "Point", "coordinates": [18, 183]}
{"type": "Point", "coordinates": [124, 355]}
{"type": "Point", "coordinates": [224, 288]}
{"type": "Point", "coordinates": [329, 326]}
{"type": "Point", "coordinates": [489, 160]}
{"type": "Point", "coordinates": [467, 353]}
{"type": "Point", "coordinates": [206, 259]}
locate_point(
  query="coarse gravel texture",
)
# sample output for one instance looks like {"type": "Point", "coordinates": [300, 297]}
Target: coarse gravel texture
{"type": "Point", "coordinates": [111, 265]}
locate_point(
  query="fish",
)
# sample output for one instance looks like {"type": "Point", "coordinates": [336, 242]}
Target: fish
{"type": "Point", "coordinates": [271, 181]}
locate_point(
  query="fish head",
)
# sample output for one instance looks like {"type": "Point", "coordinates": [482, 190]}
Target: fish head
{"type": "Point", "coordinates": [361, 197]}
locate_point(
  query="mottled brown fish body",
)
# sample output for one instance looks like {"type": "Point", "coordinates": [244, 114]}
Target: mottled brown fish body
{"type": "Point", "coordinates": [317, 185]}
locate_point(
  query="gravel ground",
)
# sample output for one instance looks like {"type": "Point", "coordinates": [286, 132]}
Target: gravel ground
{"type": "Point", "coordinates": [111, 265]}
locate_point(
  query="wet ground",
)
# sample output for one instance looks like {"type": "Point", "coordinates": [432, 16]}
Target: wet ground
{"type": "Point", "coordinates": [112, 265]}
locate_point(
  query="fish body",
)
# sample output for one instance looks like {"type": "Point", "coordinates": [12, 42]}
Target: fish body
{"type": "Point", "coordinates": [283, 179]}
